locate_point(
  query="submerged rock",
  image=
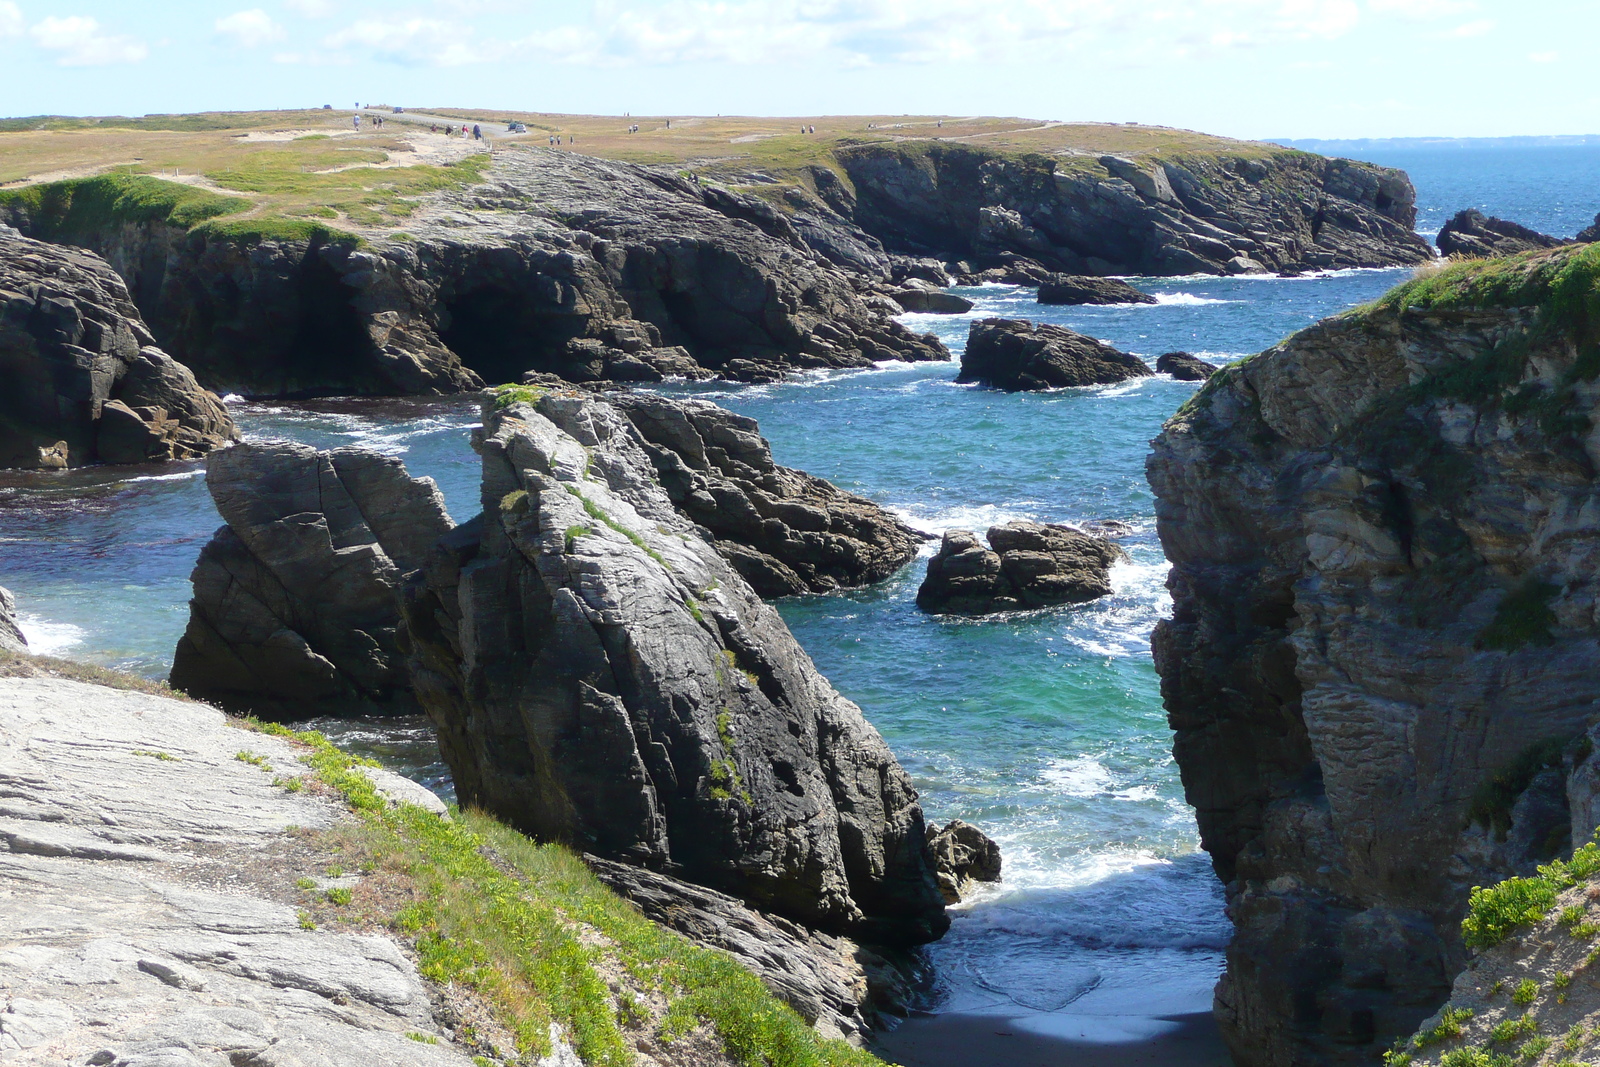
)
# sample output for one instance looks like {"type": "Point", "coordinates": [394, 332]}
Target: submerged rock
{"type": "Point", "coordinates": [1017, 355]}
{"type": "Point", "coordinates": [1472, 233]}
{"type": "Point", "coordinates": [962, 854]}
{"type": "Point", "coordinates": [11, 636]}
{"type": "Point", "coordinates": [783, 530]}
{"type": "Point", "coordinates": [294, 610]}
{"type": "Point", "coordinates": [84, 381]}
{"type": "Point", "coordinates": [600, 675]}
{"type": "Point", "coordinates": [1079, 289]}
{"type": "Point", "coordinates": [1031, 565]}
{"type": "Point", "coordinates": [1184, 367]}
{"type": "Point", "coordinates": [1382, 639]}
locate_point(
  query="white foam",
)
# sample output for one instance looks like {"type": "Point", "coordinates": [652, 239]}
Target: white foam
{"type": "Point", "coordinates": [232, 398]}
{"type": "Point", "coordinates": [975, 517]}
{"type": "Point", "coordinates": [1185, 300]}
{"type": "Point", "coordinates": [49, 638]}
{"type": "Point", "coordinates": [180, 476]}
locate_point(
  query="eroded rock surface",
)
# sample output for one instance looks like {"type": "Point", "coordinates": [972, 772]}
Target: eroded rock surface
{"type": "Point", "coordinates": [1184, 366]}
{"type": "Point", "coordinates": [1472, 233]}
{"type": "Point", "coordinates": [1077, 289]}
{"type": "Point", "coordinates": [141, 919]}
{"type": "Point", "coordinates": [294, 611]}
{"type": "Point", "coordinates": [84, 381]}
{"type": "Point", "coordinates": [783, 530]}
{"type": "Point", "coordinates": [1017, 355]}
{"type": "Point", "coordinates": [599, 674]}
{"type": "Point", "coordinates": [1383, 576]}
{"type": "Point", "coordinates": [11, 638]}
{"type": "Point", "coordinates": [1028, 565]}
{"type": "Point", "coordinates": [963, 854]}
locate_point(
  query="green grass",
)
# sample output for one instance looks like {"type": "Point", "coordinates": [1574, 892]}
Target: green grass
{"type": "Point", "coordinates": [82, 205]}
{"type": "Point", "coordinates": [154, 754]}
{"type": "Point", "coordinates": [252, 758]}
{"type": "Point", "coordinates": [596, 512]}
{"type": "Point", "coordinates": [1523, 617]}
{"type": "Point", "coordinates": [1494, 913]}
{"type": "Point", "coordinates": [1448, 1026]}
{"type": "Point", "coordinates": [1511, 1029]}
{"type": "Point", "coordinates": [500, 915]}
{"type": "Point", "coordinates": [507, 395]}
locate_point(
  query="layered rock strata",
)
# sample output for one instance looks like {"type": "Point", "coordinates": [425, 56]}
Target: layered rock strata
{"type": "Point", "coordinates": [1471, 233]}
{"type": "Point", "coordinates": [84, 382]}
{"type": "Point", "coordinates": [963, 855]}
{"type": "Point", "coordinates": [1027, 565]}
{"type": "Point", "coordinates": [1184, 367]}
{"type": "Point", "coordinates": [1076, 289]}
{"type": "Point", "coordinates": [1261, 208]}
{"type": "Point", "coordinates": [294, 611]}
{"type": "Point", "coordinates": [1017, 356]}
{"type": "Point", "coordinates": [599, 674]}
{"type": "Point", "coordinates": [1382, 538]}
{"type": "Point", "coordinates": [783, 530]}
{"type": "Point", "coordinates": [11, 636]}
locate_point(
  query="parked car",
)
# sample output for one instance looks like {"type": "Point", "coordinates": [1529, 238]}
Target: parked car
{"type": "Point", "coordinates": [516, 127]}
{"type": "Point", "coordinates": [399, 111]}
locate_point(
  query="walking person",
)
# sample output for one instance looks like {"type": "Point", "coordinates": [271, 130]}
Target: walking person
{"type": "Point", "coordinates": [356, 120]}
{"type": "Point", "coordinates": [477, 132]}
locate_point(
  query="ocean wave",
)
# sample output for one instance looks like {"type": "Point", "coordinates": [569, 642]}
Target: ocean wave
{"type": "Point", "coordinates": [1183, 300]}
{"type": "Point", "coordinates": [975, 517]}
{"type": "Point", "coordinates": [198, 472]}
{"type": "Point", "coordinates": [49, 638]}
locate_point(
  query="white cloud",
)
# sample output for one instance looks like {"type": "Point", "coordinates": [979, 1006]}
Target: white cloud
{"type": "Point", "coordinates": [408, 42]}
{"type": "Point", "coordinates": [10, 20]}
{"type": "Point", "coordinates": [311, 9]}
{"type": "Point", "coordinates": [1475, 28]}
{"type": "Point", "coordinates": [82, 44]}
{"type": "Point", "coordinates": [1544, 57]}
{"type": "Point", "coordinates": [249, 29]}
{"type": "Point", "coordinates": [1421, 9]}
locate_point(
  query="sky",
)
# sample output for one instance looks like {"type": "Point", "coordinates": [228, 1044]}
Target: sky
{"type": "Point", "coordinates": [1242, 68]}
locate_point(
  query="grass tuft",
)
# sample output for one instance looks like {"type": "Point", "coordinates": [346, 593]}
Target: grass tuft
{"type": "Point", "coordinates": [1493, 913]}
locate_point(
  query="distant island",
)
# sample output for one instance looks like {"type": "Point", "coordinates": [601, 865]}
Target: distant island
{"type": "Point", "coordinates": [1336, 147]}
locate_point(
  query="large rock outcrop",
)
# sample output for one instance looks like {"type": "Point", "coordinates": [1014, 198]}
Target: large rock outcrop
{"type": "Point", "coordinates": [84, 382]}
{"type": "Point", "coordinates": [586, 268]}
{"type": "Point", "coordinates": [11, 636]}
{"type": "Point", "coordinates": [1258, 208]}
{"type": "Point", "coordinates": [294, 611]}
{"type": "Point", "coordinates": [599, 674]}
{"type": "Point", "coordinates": [1028, 565]}
{"type": "Point", "coordinates": [1184, 366]}
{"type": "Point", "coordinates": [1472, 233]}
{"type": "Point", "coordinates": [963, 855]}
{"type": "Point", "coordinates": [1078, 289]}
{"type": "Point", "coordinates": [1383, 538]}
{"type": "Point", "coordinates": [785, 531]}
{"type": "Point", "coordinates": [1017, 355]}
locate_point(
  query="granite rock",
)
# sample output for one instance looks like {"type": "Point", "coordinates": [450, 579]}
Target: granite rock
{"type": "Point", "coordinates": [1078, 289]}
{"type": "Point", "coordinates": [84, 380]}
{"type": "Point", "coordinates": [1471, 233]}
{"type": "Point", "coordinates": [1017, 355]}
{"type": "Point", "coordinates": [1028, 565]}
{"type": "Point", "coordinates": [1184, 367]}
{"type": "Point", "coordinates": [294, 611]}
{"type": "Point", "coordinates": [963, 855]}
{"type": "Point", "coordinates": [931, 301]}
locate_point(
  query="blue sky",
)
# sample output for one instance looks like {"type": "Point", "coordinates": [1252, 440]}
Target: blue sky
{"type": "Point", "coordinates": [1248, 68]}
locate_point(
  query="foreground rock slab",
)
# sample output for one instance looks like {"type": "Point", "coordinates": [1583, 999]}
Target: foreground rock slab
{"type": "Point", "coordinates": [784, 531]}
{"type": "Point", "coordinates": [84, 382]}
{"type": "Point", "coordinates": [1028, 565]}
{"type": "Point", "coordinates": [1078, 289]}
{"type": "Point", "coordinates": [143, 921]}
{"type": "Point", "coordinates": [600, 675]}
{"type": "Point", "coordinates": [1472, 233]}
{"type": "Point", "coordinates": [294, 610]}
{"type": "Point", "coordinates": [1017, 355]}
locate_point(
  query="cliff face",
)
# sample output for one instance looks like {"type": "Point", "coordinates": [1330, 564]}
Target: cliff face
{"type": "Point", "coordinates": [1383, 535]}
{"type": "Point", "coordinates": [600, 675]}
{"type": "Point", "coordinates": [1202, 213]}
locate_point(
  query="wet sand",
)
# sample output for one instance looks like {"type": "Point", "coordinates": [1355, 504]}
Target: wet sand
{"type": "Point", "coordinates": [1056, 1040]}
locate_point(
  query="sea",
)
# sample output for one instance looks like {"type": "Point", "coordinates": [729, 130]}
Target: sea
{"type": "Point", "coordinates": [1043, 728]}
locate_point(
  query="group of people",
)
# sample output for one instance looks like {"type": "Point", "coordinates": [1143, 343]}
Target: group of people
{"type": "Point", "coordinates": [450, 130]}
{"type": "Point", "coordinates": [808, 129]}
{"type": "Point", "coordinates": [555, 139]}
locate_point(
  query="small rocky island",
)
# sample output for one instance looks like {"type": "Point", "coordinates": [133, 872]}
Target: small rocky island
{"type": "Point", "coordinates": [1076, 289]}
{"type": "Point", "coordinates": [1027, 565]}
{"type": "Point", "coordinates": [1017, 355]}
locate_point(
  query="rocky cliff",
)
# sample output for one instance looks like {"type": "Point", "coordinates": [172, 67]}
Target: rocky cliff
{"type": "Point", "coordinates": [1472, 233]}
{"type": "Point", "coordinates": [1383, 534]}
{"type": "Point", "coordinates": [84, 381]}
{"type": "Point", "coordinates": [599, 674]}
{"type": "Point", "coordinates": [1261, 208]}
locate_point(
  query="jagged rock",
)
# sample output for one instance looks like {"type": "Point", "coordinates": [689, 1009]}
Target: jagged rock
{"type": "Point", "coordinates": [294, 609]}
{"type": "Point", "coordinates": [816, 974]}
{"type": "Point", "coordinates": [84, 380]}
{"type": "Point", "coordinates": [1472, 233]}
{"type": "Point", "coordinates": [1384, 605]}
{"type": "Point", "coordinates": [599, 674]}
{"type": "Point", "coordinates": [1002, 269]}
{"type": "Point", "coordinates": [1031, 565]}
{"type": "Point", "coordinates": [1016, 355]}
{"type": "Point", "coordinates": [783, 530]}
{"type": "Point", "coordinates": [1078, 289]}
{"type": "Point", "coordinates": [1184, 367]}
{"type": "Point", "coordinates": [143, 911]}
{"type": "Point", "coordinates": [1216, 212]}
{"type": "Point", "coordinates": [962, 854]}
{"type": "Point", "coordinates": [903, 269]}
{"type": "Point", "coordinates": [1590, 234]}
{"type": "Point", "coordinates": [11, 636]}
{"type": "Point", "coordinates": [931, 301]}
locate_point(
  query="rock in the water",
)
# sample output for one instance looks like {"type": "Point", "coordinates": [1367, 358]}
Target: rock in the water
{"type": "Point", "coordinates": [11, 637]}
{"type": "Point", "coordinates": [1590, 234]}
{"type": "Point", "coordinates": [599, 674]}
{"type": "Point", "coordinates": [84, 381]}
{"type": "Point", "coordinates": [1472, 233]}
{"type": "Point", "coordinates": [932, 301]}
{"type": "Point", "coordinates": [1184, 367]}
{"type": "Point", "coordinates": [963, 854]}
{"type": "Point", "coordinates": [1382, 638]}
{"type": "Point", "coordinates": [294, 609]}
{"type": "Point", "coordinates": [1017, 355]}
{"type": "Point", "coordinates": [784, 530]}
{"type": "Point", "coordinates": [1080, 289]}
{"type": "Point", "coordinates": [1029, 565]}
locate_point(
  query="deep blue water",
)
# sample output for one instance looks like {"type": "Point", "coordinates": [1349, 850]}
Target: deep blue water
{"type": "Point", "coordinates": [1045, 728]}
